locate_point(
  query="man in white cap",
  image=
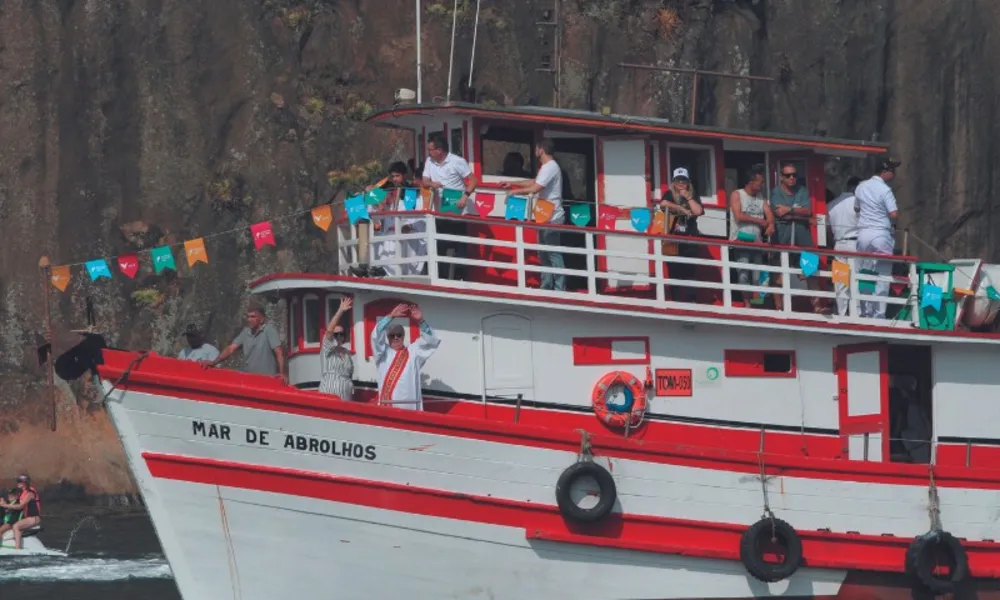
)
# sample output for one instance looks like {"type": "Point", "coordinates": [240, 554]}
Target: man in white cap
{"type": "Point", "coordinates": [398, 364]}
{"type": "Point", "coordinates": [877, 211]}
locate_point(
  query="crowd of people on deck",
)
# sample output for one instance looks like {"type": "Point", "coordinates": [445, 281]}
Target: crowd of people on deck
{"type": "Point", "coordinates": [20, 510]}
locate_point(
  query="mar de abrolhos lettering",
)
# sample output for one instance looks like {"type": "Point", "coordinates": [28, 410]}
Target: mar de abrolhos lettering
{"type": "Point", "coordinates": [291, 441]}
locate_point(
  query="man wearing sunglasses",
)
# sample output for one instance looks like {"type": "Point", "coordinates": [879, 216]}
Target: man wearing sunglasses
{"type": "Point", "coordinates": [792, 212]}
{"type": "Point", "coordinates": [399, 364]}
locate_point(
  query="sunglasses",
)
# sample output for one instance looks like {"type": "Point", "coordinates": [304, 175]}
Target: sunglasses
{"type": "Point", "coordinates": [395, 335]}
{"type": "Point", "coordinates": [789, 175]}
{"type": "Point", "coordinates": [339, 334]}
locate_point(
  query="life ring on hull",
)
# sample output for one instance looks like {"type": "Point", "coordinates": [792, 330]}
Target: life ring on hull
{"type": "Point", "coordinates": [771, 536]}
{"type": "Point", "coordinates": [631, 406]}
{"type": "Point", "coordinates": [934, 549]}
{"type": "Point", "coordinates": [607, 495]}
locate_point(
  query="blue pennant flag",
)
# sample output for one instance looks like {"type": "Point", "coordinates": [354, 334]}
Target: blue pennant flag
{"type": "Point", "coordinates": [356, 209]}
{"type": "Point", "coordinates": [515, 208]}
{"type": "Point", "coordinates": [809, 263]}
{"type": "Point", "coordinates": [931, 296]}
{"type": "Point", "coordinates": [410, 199]}
{"type": "Point", "coordinates": [579, 214]}
{"type": "Point", "coordinates": [98, 268]}
{"type": "Point", "coordinates": [640, 218]}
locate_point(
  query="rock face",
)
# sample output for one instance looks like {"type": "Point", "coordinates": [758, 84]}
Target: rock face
{"type": "Point", "coordinates": [126, 124]}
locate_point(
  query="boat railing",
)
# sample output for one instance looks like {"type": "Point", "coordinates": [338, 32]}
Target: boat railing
{"type": "Point", "coordinates": [618, 270]}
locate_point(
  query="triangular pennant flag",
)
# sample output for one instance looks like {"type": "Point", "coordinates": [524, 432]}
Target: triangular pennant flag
{"type": "Point", "coordinates": [484, 203]}
{"type": "Point", "coordinates": [991, 293]}
{"type": "Point", "coordinates": [543, 210]}
{"type": "Point", "coordinates": [659, 224]}
{"type": "Point", "coordinates": [128, 264]}
{"type": "Point", "coordinates": [809, 263]}
{"type": "Point", "coordinates": [162, 259]}
{"type": "Point", "coordinates": [322, 216]}
{"type": "Point", "coordinates": [195, 251]}
{"type": "Point", "coordinates": [606, 216]}
{"type": "Point", "coordinates": [59, 276]}
{"type": "Point", "coordinates": [449, 201]}
{"type": "Point", "coordinates": [98, 268]}
{"type": "Point", "coordinates": [841, 272]}
{"type": "Point", "coordinates": [579, 214]}
{"type": "Point", "coordinates": [931, 296]}
{"type": "Point", "coordinates": [515, 208]}
{"type": "Point", "coordinates": [356, 209]}
{"type": "Point", "coordinates": [641, 219]}
{"type": "Point", "coordinates": [262, 234]}
{"type": "Point", "coordinates": [375, 196]}
{"type": "Point", "coordinates": [410, 199]}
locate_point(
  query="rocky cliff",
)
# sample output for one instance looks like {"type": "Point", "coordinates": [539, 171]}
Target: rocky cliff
{"type": "Point", "coordinates": [129, 123]}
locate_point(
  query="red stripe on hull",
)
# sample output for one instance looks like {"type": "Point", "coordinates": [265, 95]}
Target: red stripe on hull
{"type": "Point", "coordinates": [628, 532]}
{"type": "Point", "coordinates": [182, 379]}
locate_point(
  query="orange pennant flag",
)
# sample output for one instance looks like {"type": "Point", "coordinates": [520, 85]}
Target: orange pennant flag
{"type": "Point", "coordinates": [658, 226]}
{"type": "Point", "coordinates": [59, 276]}
{"type": "Point", "coordinates": [322, 216]}
{"type": "Point", "coordinates": [841, 272]}
{"type": "Point", "coordinates": [543, 211]}
{"type": "Point", "coordinates": [428, 196]}
{"type": "Point", "coordinates": [195, 251]}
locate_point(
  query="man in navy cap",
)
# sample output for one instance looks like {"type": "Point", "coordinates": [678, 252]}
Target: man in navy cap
{"type": "Point", "coordinates": [877, 212]}
{"type": "Point", "coordinates": [197, 349]}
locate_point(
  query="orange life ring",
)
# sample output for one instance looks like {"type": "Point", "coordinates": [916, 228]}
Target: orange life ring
{"type": "Point", "coordinates": [634, 405]}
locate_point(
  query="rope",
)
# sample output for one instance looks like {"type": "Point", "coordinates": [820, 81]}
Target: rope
{"type": "Point", "coordinates": [934, 505]}
{"type": "Point", "coordinates": [768, 513]}
{"type": "Point", "coordinates": [128, 371]}
{"type": "Point", "coordinates": [234, 572]}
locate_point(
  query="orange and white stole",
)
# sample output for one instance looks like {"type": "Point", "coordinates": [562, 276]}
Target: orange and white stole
{"type": "Point", "coordinates": [393, 375]}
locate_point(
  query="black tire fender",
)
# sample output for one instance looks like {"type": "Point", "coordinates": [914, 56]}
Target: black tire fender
{"type": "Point", "coordinates": [923, 554]}
{"type": "Point", "coordinates": [605, 482]}
{"type": "Point", "coordinates": [752, 552]}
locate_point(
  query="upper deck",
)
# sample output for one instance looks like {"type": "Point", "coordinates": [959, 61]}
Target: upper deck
{"type": "Point", "coordinates": [613, 166]}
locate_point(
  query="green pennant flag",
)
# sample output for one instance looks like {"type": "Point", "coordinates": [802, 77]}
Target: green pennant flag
{"type": "Point", "coordinates": [449, 201]}
{"type": "Point", "coordinates": [991, 293]}
{"type": "Point", "coordinates": [579, 215]}
{"type": "Point", "coordinates": [162, 259]}
{"type": "Point", "coordinates": [375, 196]}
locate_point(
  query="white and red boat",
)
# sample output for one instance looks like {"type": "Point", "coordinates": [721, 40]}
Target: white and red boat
{"type": "Point", "coordinates": [761, 452]}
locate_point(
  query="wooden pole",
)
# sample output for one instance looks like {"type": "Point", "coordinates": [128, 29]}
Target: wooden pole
{"type": "Point", "coordinates": [46, 271]}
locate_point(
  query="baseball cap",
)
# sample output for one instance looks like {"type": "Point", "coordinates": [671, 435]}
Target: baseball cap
{"type": "Point", "coordinates": [888, 164]}
{"type": "Point", "coordinates": [681, 173]}
{"type": "Point", "coordinates": [192, 329]}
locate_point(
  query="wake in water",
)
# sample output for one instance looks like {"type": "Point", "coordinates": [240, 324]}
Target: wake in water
{"type": "Point", "coordinates": [45, 569]}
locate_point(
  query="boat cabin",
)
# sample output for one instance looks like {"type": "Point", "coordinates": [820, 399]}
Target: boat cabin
{"type": "Point", "coordinates": [753, 361]}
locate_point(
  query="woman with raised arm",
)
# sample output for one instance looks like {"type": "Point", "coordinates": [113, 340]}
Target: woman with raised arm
{"type": "Point", "coordinates": [337, 361]}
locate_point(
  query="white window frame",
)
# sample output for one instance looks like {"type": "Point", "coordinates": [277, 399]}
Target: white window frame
{"type": "Point", "coordinates": [293, 331]}
{"type": "Point", "coordinates": [306, 298]}
{"type": "Point", "coordinates": [713, 199]}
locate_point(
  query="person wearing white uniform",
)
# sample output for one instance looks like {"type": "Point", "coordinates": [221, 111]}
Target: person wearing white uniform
{"type": "Point", "coordinates": [446, 171]}
{"type": "Point", "coordinates": [548, 185]}
{"type": "Point", "coordinates": [877, 212]}
{"type": "Point", "coordinates": [399, 365]}
{"type": "Point", "coordinates": [842, 220]}
{"type": "Point", "coordinates": [395, 186]}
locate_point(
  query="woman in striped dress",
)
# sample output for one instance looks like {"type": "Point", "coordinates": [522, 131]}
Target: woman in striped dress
{"type": "Point", "coordinates": [337, 362]}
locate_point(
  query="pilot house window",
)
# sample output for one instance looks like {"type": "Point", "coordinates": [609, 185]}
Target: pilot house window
{"type": "Point", "coordinates": [700, 163]}
{"type": "Point", "coordinates": [760, 363]}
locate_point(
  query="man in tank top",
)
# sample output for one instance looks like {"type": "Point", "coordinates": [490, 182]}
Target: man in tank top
{"type": "Point", "coordinates": [751, 220]}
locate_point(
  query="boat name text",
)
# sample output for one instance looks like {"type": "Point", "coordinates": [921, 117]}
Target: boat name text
{"type": "Point", "coordinates": [302, 443]}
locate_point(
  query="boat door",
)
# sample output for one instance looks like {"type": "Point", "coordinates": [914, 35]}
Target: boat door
{"type": "Point", "coordinates": [624, 166]}
{"type": "Point", "coordinates": [508, 368]}
{"type": "Point", "coordinates": [863, 397]}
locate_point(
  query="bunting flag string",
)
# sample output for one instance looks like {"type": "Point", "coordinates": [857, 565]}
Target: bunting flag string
{"type": "Point", "coordinates": [322, 216]}
{"type": "Point", "coordinates": [809, 263]}
{"type": "Point", "coordinates": [59, 276]}
{"type": "Point", "coordinates": [163, 259]}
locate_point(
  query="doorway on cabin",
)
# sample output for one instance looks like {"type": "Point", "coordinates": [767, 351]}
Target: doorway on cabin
{"type": "Point", "coordinates": [577, 158]}
{"type": "Point", "coordinates": [911, 387]}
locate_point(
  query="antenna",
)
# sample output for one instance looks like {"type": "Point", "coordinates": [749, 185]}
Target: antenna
{"type": "Point", "coordinates": [420, 83]}
{"type": "Point", "coordinates": [550, 58]}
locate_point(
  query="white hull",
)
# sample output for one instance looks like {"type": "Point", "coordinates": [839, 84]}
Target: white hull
{"type": "Point", "coordinates": [32, 546]}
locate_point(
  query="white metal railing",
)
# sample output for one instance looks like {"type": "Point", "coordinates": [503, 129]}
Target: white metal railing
{"type": "Point", "coordinates": [407, 255]}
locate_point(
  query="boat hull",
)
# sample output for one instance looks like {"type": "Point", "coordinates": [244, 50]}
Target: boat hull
{"type": "Point", "coordinates": [375, 510]}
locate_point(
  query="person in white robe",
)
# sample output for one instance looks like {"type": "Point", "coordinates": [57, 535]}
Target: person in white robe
{"type": "Point", "coordinates": [398, 364]}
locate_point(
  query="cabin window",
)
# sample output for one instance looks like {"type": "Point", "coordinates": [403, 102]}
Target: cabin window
{"type": "Point", "coordinates": [499, 146]}
{"type": "Point", "coordinates": [700, 163]}
{"type": "Point", "coordinates": [760, 363]}
{"type": "Point", "coordinates": [455, 143]}
{"type": "Point", "coordinates": [347, 321]}
{"type": "Point", "coordinates": [311, 318]}
{"type": "Point", "coordinates": [295, 325]}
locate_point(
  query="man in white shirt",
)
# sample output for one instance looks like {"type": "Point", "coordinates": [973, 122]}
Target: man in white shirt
{"type": "Point", "coordinates": [842, 222]}
{"type": "Point", "coordinates": [877, 212]}
{"type": "Point", "coordinates": [548, 186]}
{"type": "Point", "coordinates": [446, 171]}
{"type": "Point", "coordinates": [197, 350]}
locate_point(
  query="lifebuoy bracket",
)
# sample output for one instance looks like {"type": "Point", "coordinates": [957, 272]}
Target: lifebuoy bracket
{"type": "Point", "coordinates": [606, 486]}
{"type": "Point", "coordinates": [764, 539]}
{"type": "Point", "coordinates": [934, 549]}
